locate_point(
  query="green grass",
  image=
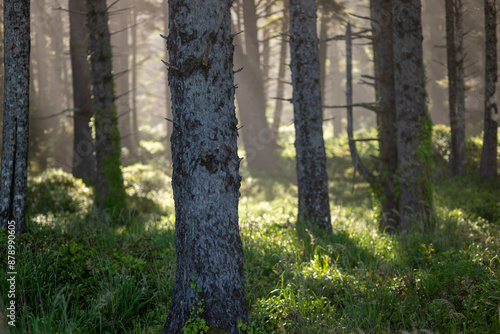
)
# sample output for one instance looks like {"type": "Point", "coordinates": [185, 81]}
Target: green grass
{"type": "Point", "coordinates": [77, 274]}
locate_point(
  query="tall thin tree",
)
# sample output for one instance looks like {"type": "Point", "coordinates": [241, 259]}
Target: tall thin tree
{"type": "Point", "coordinates": [16, 113]}
{"type": "Point", "coordinates": [414, 127]}
{"type": "Point", "coordinates": [382, 32]}
{"type": "Point", "coordinates": [278, 109]}
{"type": "Point", "coordinates": [83, 143]}
{"type": "Point", "coordinates": [110, 191]}
{"type": "Point", "coordinates": [251, 98]}
{"type": "Point", "coordinates": [314, 204]}
{"type": "Point", "coordinates": [456, 87]}
{"type": "Point", "coordinates": [121, 52]}
{"type": "Point", "coordinates": [205, 178]}
{"type": "Point", "coordinates": [489, 164]}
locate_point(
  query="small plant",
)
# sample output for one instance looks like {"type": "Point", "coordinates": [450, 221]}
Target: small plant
{"type": "Point", "coordinates": [195, 324]}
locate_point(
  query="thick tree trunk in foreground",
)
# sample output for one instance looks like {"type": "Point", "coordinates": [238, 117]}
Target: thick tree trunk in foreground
{"type": "Point", "coordinates": [110, 192]}
{"type": "Point", "coordinates": [384, 74]}
{"type": "Point", "coordinates": [456, 88]}
{"type": "Point", "coordinates": [414, 127]}
{"type": "Point", "coordinates": [489, 164]}
{"type": "Point", "coordinates": [16, 113]}
{"type": "Point", "coordinates": [314, 204]}
{"type": "Point", "coordinates": [205, 176]}
{"type": "Point", "coordinates": [83, 145]}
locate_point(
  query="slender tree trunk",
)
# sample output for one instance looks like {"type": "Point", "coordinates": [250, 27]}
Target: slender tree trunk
{"type": "Point", "coordinates": [110, 192]}
{"type": "Point", "coordinates": [314, 203]}
{"type": "Point", "coordinates": [135, 122]}
{"type": "Point", "coordinates": [489, 164]}
{"type": "Point", "coordinates": [266, 52]}
{"type": "Point", "coordinates": [278, 111]}
{"type": "Point", "coordinates": [205, 176]}
{"type": "Point", "coordinates": [337, 96]}
{"type": "Point", "coordinates": [257, 136]}
{"type": "Point", "coordinates": [323, 54]}
{"type": "Point", "coordinates": [168, 98]}
{"type": "Point", "coordinates": [83, 144]}
{"type": "Point", "coordinates": [384, 77]}
{"type": "Point", "coordinates": [57, 64]}
{"type": "Point", "coordinates": [16, 114]}
{"type": "Point", "coordinates": [121, 68]}
{"type": "Point", "coordinates": [414, 127]}
{"type": "Point", "coordinates": [358, 165]}
{"type": "Point", "coordinates": [456, 88]}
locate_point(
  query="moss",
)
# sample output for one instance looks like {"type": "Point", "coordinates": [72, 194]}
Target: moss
{"type": "Point", "coordinates": [425, 156]}
{"type": "Point", "coordinates": [115, 200]}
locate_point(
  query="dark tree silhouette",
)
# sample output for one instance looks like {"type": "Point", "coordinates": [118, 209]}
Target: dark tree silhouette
{"type": "Point", "coordinates": [205, 176]}
{"type": "Point", "coordinates": [83, 145]}
{"type": "Point", "coordinates": [16, 113]}
{"type": "Point", "coordinates": [489, 164]}
{"type": "Point", "coordinates": [314, 203]}
{"type": "Point", "coordinates": [456, 87]}
{"type": "Point", "coordinates": [110, 192]}
{"type": "Point", "coordinates": [381, 12]}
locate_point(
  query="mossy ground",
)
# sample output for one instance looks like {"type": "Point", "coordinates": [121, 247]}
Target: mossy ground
{"type": "Point", "coordinates": [78, 274]}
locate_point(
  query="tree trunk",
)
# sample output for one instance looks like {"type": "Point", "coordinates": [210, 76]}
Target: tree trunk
{"type": "Point", "coordinates": [358, 165]}
{"type": "Point", "coordinates": [121, 68]}
{"type": "Point", "coordinates": [488, 168]}
{"type": "Point", "coordinates": [16, 114]}
{"type": "Point", "coordinates": [209, 278]}
{"type": "Point", "coordinates": [257, 136]}
{"type": "Point", "coordinates": [414, 127]}
{"type": "Point", "coordinates": [314, 203]}
{"type": "Point", "coordinates": [336, 97]}
{"type": "Point", "coordinates": [109, 189]}
{"type": "Point", "coordinates": [456, 88]}
{"type": "Point", "coordinates": [168, 99]}
{"type": "Point", "coordinates": [266, 51]}
{"type": "Point", "coordinates": [323, 54]}
{"type": "Point", "coordinates": [83, 145]}
{"type": "Point", "coordinates": [278, 111]}
{"type": "Point", "coordinates": [135, 122]}
{"type": "Point", "coordinates": [384, 76]}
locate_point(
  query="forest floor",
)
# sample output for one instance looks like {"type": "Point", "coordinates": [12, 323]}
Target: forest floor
{"type": "Point", "coordinates": [78, 274]}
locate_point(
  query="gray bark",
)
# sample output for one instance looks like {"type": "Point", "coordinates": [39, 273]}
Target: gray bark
{"type": "Point", "coordinates": [83, 144]}
{"type": "Point", "coordinates": [205, 177]}
{"type": "Point", "coordinates": [381, 11]}
{"type": "Point", "coordinates": [456, 87]}
{"type": "Point", "coordinates": [489, 164]}
{"type": "Point", "coordinates": [110, 192]}
{"type": "Point", "coordinates": [414, 128]}
{"type": "Point", "coordinates": [14, 165]}
{"type": "Point", "coordinates": [314, 203]}
{"type": "Point", "coordinates": [278, 111]}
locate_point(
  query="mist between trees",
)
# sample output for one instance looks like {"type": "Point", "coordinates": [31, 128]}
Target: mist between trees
{"type": "Point", "coordinates": [332, 153]}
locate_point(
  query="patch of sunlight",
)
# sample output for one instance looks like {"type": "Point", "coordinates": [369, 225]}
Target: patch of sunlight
{"type": "Point", "coordinates": [152, 147]}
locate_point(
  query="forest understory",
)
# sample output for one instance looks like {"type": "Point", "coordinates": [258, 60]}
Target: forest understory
{"type": "Point", "coordinates": [83, 275]}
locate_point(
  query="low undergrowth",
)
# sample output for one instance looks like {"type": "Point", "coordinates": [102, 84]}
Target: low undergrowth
{"type": "Point", "coordinates": [77, 274]}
